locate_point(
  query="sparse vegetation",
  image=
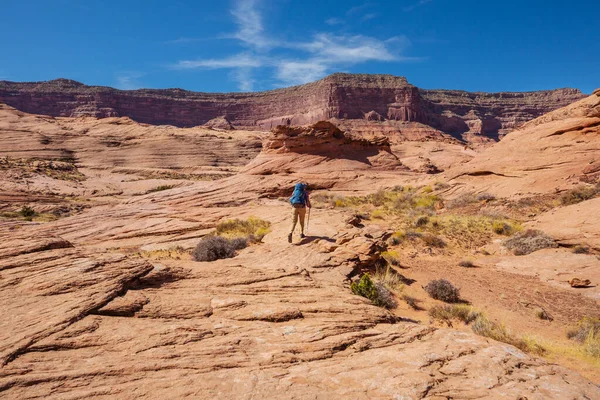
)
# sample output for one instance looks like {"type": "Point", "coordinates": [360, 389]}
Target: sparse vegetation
{"type": "Point", "coordinates": [412, 302]}
{"type": "Point", "coordinates": [213, 248]}
{"type": "Point", "coordinates": [377, 292]}
{"type": "Point", "coordinates": [160, 188]}
{"type": "Point", "coordinates": [484, 327]}
{"type": "Point", "coordinates": [502, 228]}
{"type": "Point", "coordinates": [27, 212]}
{"type": "Point", "coordinates": [433, 241]}
{"type": "Point", "coordinates": [391, 257]}
{"type": "Point", "coordinates": [462, 200]}
{"type": "Point", "coordinates": [443, 290]}
{"type": "Point", "coordinates": [449, 312]}
{"type": "Point", "coordinates": [529, 241]}
{"type": "Point", "coordinates": [466, 264]}
{"type": "Point", "coordinates": [587, 333]}
{"type": "Point", "coordinates": [485, 197]}
{"type": "Point", "coordinates": [422, 221]}
{"type": "Point", "coordinates": [390, 278]}
{"type": "Point", "coordinates": [579, 194]}
{"type": "Point", "coordinates": [253, 229]}
{"type": "Point", "coordinates": [581, 250]}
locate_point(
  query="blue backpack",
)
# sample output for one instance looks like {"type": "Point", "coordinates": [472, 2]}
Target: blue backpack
{"type": "Point", "coordinates": [299, 195]}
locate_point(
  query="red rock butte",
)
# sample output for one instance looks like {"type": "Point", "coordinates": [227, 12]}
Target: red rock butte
{"type": "Point", "coordinates": [375, 98]}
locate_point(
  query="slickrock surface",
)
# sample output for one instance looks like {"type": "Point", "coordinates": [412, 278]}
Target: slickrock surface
{"type": "Point", "coordinates": [371, 98]}
{"type": "Point", "coordinates": [556, 151]}
{"type": "Point", "coordinates": [87, 313]}
{"type": "Point", "coordinates": [277, 319]}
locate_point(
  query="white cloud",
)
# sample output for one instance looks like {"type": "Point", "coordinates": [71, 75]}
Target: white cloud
{"type": "Point", "coordinates": [244, 78]}
{"type": "Point", "coordinates": [416, 5]}
{"type": "Point", "coordinates": [237, 61]}
{"type": "Point", "coordinates": [128, 80]}
{"type": "Point", "coordinates": [348, 49]}
{"type": "Point", "coordinates": [299, 72]}
{"type": "Point", "coordinates": [183, 40]}
{"type": "Point", "coordinates": [334, 21]}
{"type": "Point", "coordinates": [312, 60]}
{"type": "Point", "coordinates": [249, 21]}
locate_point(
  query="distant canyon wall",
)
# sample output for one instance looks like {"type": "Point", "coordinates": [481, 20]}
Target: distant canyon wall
{"type": "Point", "coordinates": [341, 96]}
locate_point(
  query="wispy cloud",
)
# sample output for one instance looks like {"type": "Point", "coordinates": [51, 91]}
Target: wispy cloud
{"type": "Point", "coordinates": [184, 40]}
{"type": "Point", "coordinates": [249, 21]}
{"type": "Point", "coordinates": [128, 80]}
{"type": "Point", "coordinates": [322, 54]}
{"type": "Point", "coordinates": [369, 16]}
{"type": "Point", "coordinates": [334, 21]}
{"type": "Point", "coordinates": [416, 5]}
{"type": "Point", "coordinates": [236, 61]}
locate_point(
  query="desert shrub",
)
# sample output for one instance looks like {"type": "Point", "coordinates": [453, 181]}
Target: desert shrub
{"type": "Point", "coordinates": [462, 200]}
{"type": "Point", "coordinates": [502, 228]}
{"type": "Point", "coordinates": [485, 197]}
{"type": "Point", "coordinates": [440, 185]}
{"type": "Point", "coordinates": [427, 189]}
{"type": "Point", "coordinates": [377, 214]}
{"type": "Point", "coordinates": [581, 250]}
{"type": "Point", "coordinates": [585, 327]}
{"type": "Point", "coordinates": [422, 220]}
{"type": "Point", "coordinates": [443, 290]}
{"type": "Point", "coordinates": [529, 241]}
{"type": "Point", "coordinates": [377, 292]}
{"type": "Point", "coordinates": [579, 194]}
{"type": "Point", "coordinates": [543, 314]}
{"type": "Point", "coordinates": [396, 238]}
{"type": "Point", "coordinates": [384, 297]}
{"type": "Point", "coordinates": [213, 248]}
{"type": "Point", "coordinates": [587, 333]}
{"type": "Point", "coordinates": [412, 302]}
{"type": "Point", "coordinates": [391, 257]}
{"type": "Point", "coordinates": [412, 235]}
{"type": "Point", "coordinates": [466, 264]}
{"type": "Point", "coordinates": [252, 228]}
{"type": "Point", "coordinates": [27, 212]}
{"type": "Point", "coordinates": [433, 240]}
{"type": "Point", "coordinates": [160, 188]}
{"type": "Point", "coordinates": [449, 312]}
{"type": "Point", "coordinates": [484, 327]}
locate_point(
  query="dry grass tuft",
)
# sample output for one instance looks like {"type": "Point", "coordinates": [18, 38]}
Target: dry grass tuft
{"type": "Point", "coordinates": [449, 312]}
{"type": "Point", "coordinates": [253, 229]}
{"type": "Point", "coordinates": [484, 327]}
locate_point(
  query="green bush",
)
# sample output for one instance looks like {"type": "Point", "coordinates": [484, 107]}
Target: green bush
{"type": "Point", "coordinates": [27, 212]}
{"type": "Point", "coordinates": [376, 292]}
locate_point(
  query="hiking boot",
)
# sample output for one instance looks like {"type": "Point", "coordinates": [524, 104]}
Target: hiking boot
{"type": "Point", "coordinates": [290, 238]}
{"type": "Point", "coordinates": [302, 236]}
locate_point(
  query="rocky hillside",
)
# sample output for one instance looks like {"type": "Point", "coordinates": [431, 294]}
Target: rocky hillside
{"type": "Point", "coordinates": [375, 98]}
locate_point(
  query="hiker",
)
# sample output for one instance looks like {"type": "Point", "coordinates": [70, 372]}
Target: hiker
{"type": "Point", "coordinates": [300, 201]}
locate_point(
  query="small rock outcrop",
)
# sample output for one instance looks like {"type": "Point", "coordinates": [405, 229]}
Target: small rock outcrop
{"type": "Point", "coordinates": [221, 123]}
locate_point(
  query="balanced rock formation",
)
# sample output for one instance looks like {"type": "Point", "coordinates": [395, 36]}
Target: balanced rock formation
{"type": "Point", "coordinates": [321, 148]}
{"type": "Point", "coordinates": [343, 96]}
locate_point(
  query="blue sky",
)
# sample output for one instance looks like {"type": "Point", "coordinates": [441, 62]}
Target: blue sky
{"type": "Point", "coordinates": [243, 45]}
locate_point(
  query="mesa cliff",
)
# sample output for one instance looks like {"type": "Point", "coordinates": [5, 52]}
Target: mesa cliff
{"type": "Point", "coordinates": [378, 99]}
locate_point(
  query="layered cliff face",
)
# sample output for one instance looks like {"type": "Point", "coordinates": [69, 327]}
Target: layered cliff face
{"type": "Point", "coordinates": [376, 98]}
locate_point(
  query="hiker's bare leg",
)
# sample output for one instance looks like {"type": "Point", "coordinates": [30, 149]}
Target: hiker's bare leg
{"type": "Point", "coordinates": [302, 212]}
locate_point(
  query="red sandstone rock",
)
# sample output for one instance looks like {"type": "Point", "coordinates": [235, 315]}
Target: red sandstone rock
{"type": "Point", "coordinates": [342, 96]}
